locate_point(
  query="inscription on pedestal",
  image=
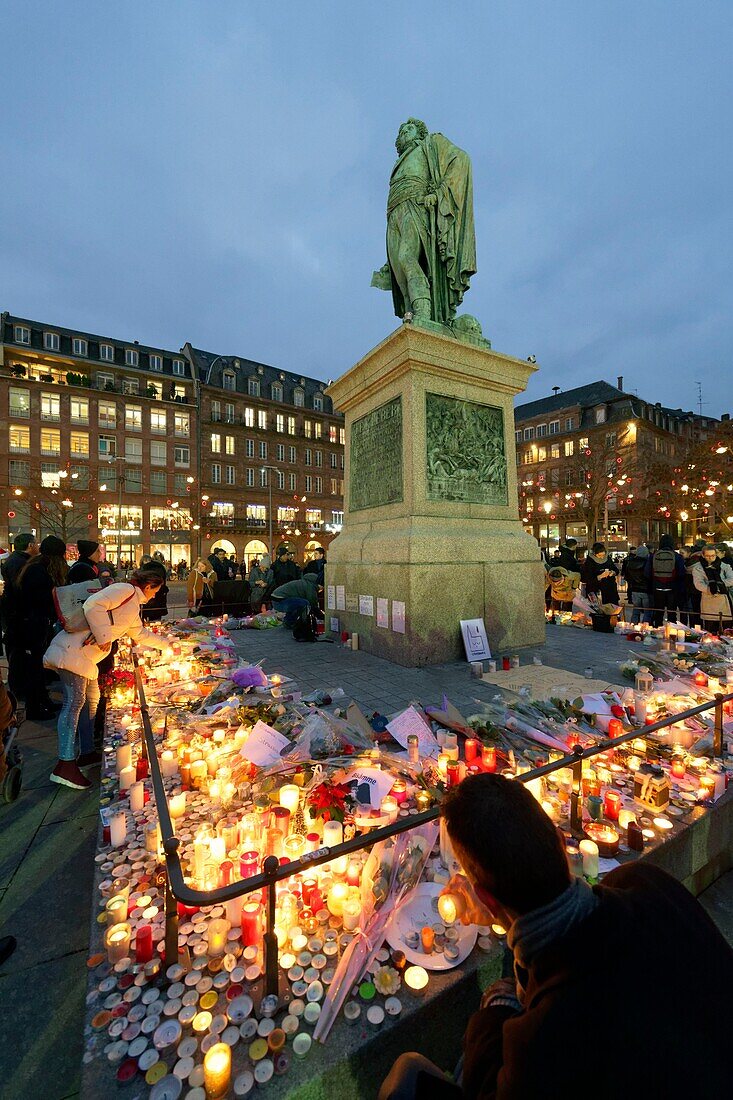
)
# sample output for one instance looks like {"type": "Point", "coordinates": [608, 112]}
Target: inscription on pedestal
{"type": "Point", "coordinates": [466, 458]}
{"type": "Point", "coordinates": [376, 457]}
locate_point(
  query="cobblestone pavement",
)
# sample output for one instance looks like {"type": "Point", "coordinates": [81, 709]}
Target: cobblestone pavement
{"type": "Point", "coordinates": [48, 839]}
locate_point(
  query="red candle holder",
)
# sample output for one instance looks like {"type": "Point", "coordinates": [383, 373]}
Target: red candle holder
{"type": "Point", "coordinates": [470, 749]}
{"type": "Point", "coordinates": [611, 805]}
{"type": "Point", "coordinates": [144, 943]}
{"type": "Point", "coordinates": [615, 727]}
{"type": "Point", "coordinates": [488, 758]}
{"type": "Point", "coordinates": [249, 864]}
{"type": "Point", "coordinates": [678, 767]}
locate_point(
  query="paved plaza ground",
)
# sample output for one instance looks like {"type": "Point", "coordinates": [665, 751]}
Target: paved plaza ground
{"type": "Point", "coordinates": [48, 840]}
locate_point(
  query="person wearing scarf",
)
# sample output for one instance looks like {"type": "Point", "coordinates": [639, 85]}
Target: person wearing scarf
{"type": "Point", "coordinates": [713, 577]}
{"type": "Point", "coordinates": [595, 998]}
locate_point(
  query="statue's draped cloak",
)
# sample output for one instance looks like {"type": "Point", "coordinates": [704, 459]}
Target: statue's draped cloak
{"type": "Point", "coordinates": [447, 232]}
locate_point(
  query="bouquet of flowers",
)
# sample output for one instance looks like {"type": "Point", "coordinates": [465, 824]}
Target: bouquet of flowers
{"type": "Point", "coordinates": [392, 870]}
{"type": "Point", "coordinates": [116, 678]}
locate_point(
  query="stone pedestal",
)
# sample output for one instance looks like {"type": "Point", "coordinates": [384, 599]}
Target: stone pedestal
{"type": "Point", "coordinates": [431, 524]}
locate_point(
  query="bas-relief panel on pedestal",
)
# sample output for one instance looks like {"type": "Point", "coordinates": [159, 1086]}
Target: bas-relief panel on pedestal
{"type": "Point", "coordinates": [376, 476]}
{"type": "Point", "coordinates": [466, 457]}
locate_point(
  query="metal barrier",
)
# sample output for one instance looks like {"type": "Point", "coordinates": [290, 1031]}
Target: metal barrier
{"type": "Point", "coordinates": [273, 871]}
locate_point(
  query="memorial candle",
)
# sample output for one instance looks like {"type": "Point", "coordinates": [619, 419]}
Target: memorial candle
{"type": "Point", "coordinates": [353, 873]}
{"type": "Point", "coordinates": [117, 942]}
{"type": "Point", "coordinates": [177, 804]}
{"type": "Point", "coordinates": [118, 829]}
{"type": "Point", "coordinates": [137, 796]}
{"type": "Point", "coordinates": [350, 913]}
{"type": "Point", "coordinates": [124, 757]}
{"type": "Point", "coordinates": [488, 758]}
{"type": "Point", "coordinates": [611, 805]}
{"type": "Point", "coordinates": [168, 763]}
{"type": "Point", "coordinates": [589, 853]}
{"type": "Point", "coordinates": [389, 808]}
{"type": "Point", "coordinates": [333, 833]}
{"type": "Point", "coordinates": [127, 778]}
{"type": "Point", "coordinates": [290, 796]}
{"type": "Point", "coordinates": [399, 790]}
{"type": "Point", "coordinates": [336, 897]}
{"type": "Point", "coordinates": [216, 936]}
{"type": "Point", "coordinates": [678, 767]}
{"type": "Point", "coordinates": [217, 1070]}
{"type": "Point", "coordinates": [280, 820]}
{"type": "Point", "coordinates": [144, 944]}
{"type": "Point", "coordinates": [416, 980]}
{"type": "Point", "coordinates": [251, 923]}
{"type": "Point", "coordinates": [233, 910]}
{"type": "Point", "coordinates": [117, 908]}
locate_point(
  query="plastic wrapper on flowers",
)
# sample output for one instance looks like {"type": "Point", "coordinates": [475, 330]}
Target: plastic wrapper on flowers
{"type": "Point", "coordinates": [393, 869]}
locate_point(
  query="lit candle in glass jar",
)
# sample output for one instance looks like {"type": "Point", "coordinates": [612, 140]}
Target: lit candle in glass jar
{"type": "Point", "coordinates": [168, 763]}
{"type": "Point", "coordinates": [488, 758]}
{"type": "Point", "coordinates": [422, 801]}
{"type": "Point", "coordinates": [451, 907]}
{"type": "Point", "coordinates": [117, 942]}
{"type": "Point", "coordinates": [470, 749]}
{"type": "Point", "coordinates": [678, 767]}
{"type": "Point", "coordinates": [399, 790]}
{"type": "Point", "coordinates": [353, 873]}
{"type": "Point", "coordinates": [416, 980]}
{"type": "Point", "coordinates": [177, 804]}
{"type": "Point", "coordinates": [389, 808]}
{"type": "Point", "coordinates": [589, 854]}
{"type": "Point", "coordinates": [350, 913]}
{"type": "Point", "coordinates": [127, 777]}
{"type": "Point", "coordinates": [290, 797]}
{"type": "Point", "coordinates": [250, 918]}
{"type": "Point", "coordinates": [333, 833]}
{"type": "Point", "coordinates": [216, 936]}
{"type": "Point", "coordinates": [611, 805]}
{"type": "Point", "coordinates": [336, 897]}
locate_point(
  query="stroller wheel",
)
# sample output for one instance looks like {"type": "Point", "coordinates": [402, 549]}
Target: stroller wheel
{"type": "Point", "coordinates": [12, 784]}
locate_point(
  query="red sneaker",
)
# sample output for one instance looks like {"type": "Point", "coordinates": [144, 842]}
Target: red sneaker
{"type": "Point", "coordinates": [67, 774]}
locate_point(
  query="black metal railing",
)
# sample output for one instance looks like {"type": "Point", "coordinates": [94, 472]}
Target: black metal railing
{"type": "Point", "coordinates": [273, 871]}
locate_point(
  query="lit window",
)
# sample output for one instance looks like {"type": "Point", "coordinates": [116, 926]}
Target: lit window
{"type": "Point", "coordinates": [334, 486]}
{"type": "Point", "coordinates": [179, 367]}
{"type": "Point", "coordinates": [79, 444]}
{"type": "Point", "coordinates": [19, 402]}
{"type": "Point", "coordinates": [182, 424]}
{"type": "Point", "coordinates": [79, 410]}
{"type": "Point", "coordinates": [131, 385]}
{"type": "Point", "coordinates": [291, 425]}
{"type": "Point", "coordinates": [158, 452]}
{"type": "Point", "coordinates": [280, 479]}
{"type": "Point", "coordinates": [249, 418]}
{"type": "Point", "coordinates": [22, 334]}
{"type": "Point", "coordinates": [156, 362]}
{"type": "Point", "coordinates": [229, 444]}
{"type": "Point", "coordinates": [158, 421]}
{"type": "Point", "coordinates": [331, 433]}
{"type": "Point", "coordinates": [133, 418]}
{"type": "Point", "coordinates": [50, 441]}
{"type": "Point", "coordinates": [107, 414]}
{"type": "Point", "coordinates": [20, 439]}
{"type": "Point", "coordinates": [182, 456]}
{"type": "Point", "coordinates": [131, 357]}
{"type": "Point", "coordinates": [155, 390]}
{"type": "Point", "coordinates": [262, 420]}
{"type": "Point", "coordinates": [107, 448]}
{"type": "Point", "coordinates": [317, 429]}
{"type": "Point", "coordinates": [134, 450]}
{"type": "Point", "coordinates": [569, 447]}
{"type": "Point", "coordinates": [215, 441]}
{"type": "Point", "coordinates": [79, 346]}
{"type": "Point", "coordinates": [342, 436]}
{"type": "Point", "coordinates": [555, 450]}
{"type": "Point", "coordinates": [51, 341]}
{"type": "Point", "coordinates": [50, 476]}
{"type": "Point", "coordinates": [307, 428]}
{"type": "Point", "coordinates": [279, 423]}
{"type": "Point", "coordinates": [107, 352]}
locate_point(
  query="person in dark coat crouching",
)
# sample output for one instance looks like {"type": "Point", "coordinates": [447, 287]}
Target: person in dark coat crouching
{"type": "Point", "coordinates": [588, 963]}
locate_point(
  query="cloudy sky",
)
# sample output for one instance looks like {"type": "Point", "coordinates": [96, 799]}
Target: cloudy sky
{"type": "Point", "coordinates": [216, 171]}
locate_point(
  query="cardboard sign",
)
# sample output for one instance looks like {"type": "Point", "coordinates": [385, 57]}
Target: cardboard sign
{"type": "Point", "coordinates": [475, 642]}
{"type": "Point", "coordinates": [409, 722]}
{"type": "Point", "coordinates": [263, 746]}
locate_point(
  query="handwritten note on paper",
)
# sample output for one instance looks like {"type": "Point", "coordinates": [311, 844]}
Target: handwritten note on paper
{"type": "Point", "coordinates": [408, 722]}
{"type": "Point", "coordinates": [340, 597]}
{"type": "Point", "coordinates": [331, 597]}
{"type": "Point", "coordinates": [382, 612]}
{"type": "Point", "coordinates": [263, 746]}
{"type": "Point", "coordinates": [366, 606]}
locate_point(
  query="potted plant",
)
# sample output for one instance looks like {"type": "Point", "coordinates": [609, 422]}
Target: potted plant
{"type": "Point", "coordinates": [151, 391]}
{"type": "Point", "coordinates": [18, 370]}
{"type": "Point", "coordinates": [47, 378]}
{"type": "Point", "coordinates": [110, 387]}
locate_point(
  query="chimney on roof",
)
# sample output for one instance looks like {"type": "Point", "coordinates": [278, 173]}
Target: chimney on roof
{"type": "Point", "coordinates": [725, 416]}
{"type": "Point", "coordinates": [556, 390]}
{"type": "Point", "coordinates": [620, 382]}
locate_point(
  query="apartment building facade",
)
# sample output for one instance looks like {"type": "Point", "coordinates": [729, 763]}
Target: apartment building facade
{"type": "Point", "coordinates": [105, 438]}
{"type": "Point", "coordinates": [593, 463]}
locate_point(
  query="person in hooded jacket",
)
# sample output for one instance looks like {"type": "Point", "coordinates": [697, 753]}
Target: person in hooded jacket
{"type": "Point", "coordinates": [110, 613]}
{"type": "Point", "coordinates": [665, 571]}
{"type": "Point", "coordinates": [637, 584]}
{"type": "Point", "coordinates": [713, 579]}
{"type": "Point", "coordinates": [599, 575]}
{"type": "Point", "coordinates": [37, 615]}
{"type": "Point", "coordinates": [567, 556]}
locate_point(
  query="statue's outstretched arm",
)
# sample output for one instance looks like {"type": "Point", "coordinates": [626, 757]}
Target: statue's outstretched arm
{"type": "Point", "coordinates": [382, 279]}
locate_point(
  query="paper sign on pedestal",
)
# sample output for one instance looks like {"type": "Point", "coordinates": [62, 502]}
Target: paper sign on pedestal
{"type": "Point", "coordinates": [331, 597]}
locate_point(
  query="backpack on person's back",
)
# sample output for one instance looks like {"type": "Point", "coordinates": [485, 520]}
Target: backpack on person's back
{"type": "Point", "coordinates": [664, 565]}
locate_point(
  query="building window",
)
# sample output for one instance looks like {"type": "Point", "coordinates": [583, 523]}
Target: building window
{"type": "Point", "coordinates": [554, 427]}
{"type": "Point", "coordinates": [250, 478]}
{"type": "Point", "coordinates": [299, 397]}
{"type": "Point", "coordinates": [134, 451]}
{"type": "Point", "coordinates": [131, 357]}
{"type": "Point", "coordinates": [332, 433]}
{"type": "Point", "coordinates": [19, 472]}
{"type": "Point", "coordinates": [292, 482]}
{"type": "Point", "coordinates": [308, 483]}
{"type": "Point", "coordinates": [583, 443]}
{"type": "Point", "coordinates": [79, 346]}
{"type": "Point", "coordinates": [292, 454]}
{"type": "Point", "coordinates": [105, 381]}
{"type": "Point", "coordinates": [317, 429]}
{"type": "Point", "coordinates": [334, 460]}
{"type": "Point", "coordinates": [50, 476]}
{"type": "Point", "coordinates": [569, 424]}
{"type": "Point", "coordinates": [341, 461]}
{"type": "Point", "coordinates": [228, 412]}
{"type": "Point", "coordinates": [308, 457]}
{"type": "Point", "coordinates": [334, 486]}
{"type": "Point", "coordinates": [342, 436]}
{"type": "Point", "coordinates": [276, 391]}
{"type": "Point", "coordinates": [133, 418]}
{"type": "Point", "coordinates": [156, 362]}
{"type": "Point", "coordinates": [313, 517]}
{"type": "Point", "coordinates": [216, 411]}
{"type": "Point", "coordinates": [280, 479]}
{"type": "Point", "coordinates": [216, 473]}
{"type": "Point", "coordinates": [134, 478]}
{"type": "Point", "coordinates": [263, 449]}
{"type": "Point", "coordinates": [318, 404]}
{"type": "Point", "coordinates": [262, 420]}
{"type": "Point", "coordinates": [215, 443]}
{"type": "Point", "coordinates": [249, 417]}
{"type": "Point", "coordinates": [568, 477]}
{"type": "Point", "coordinates": [131, 386]}
{"type": "Point", "coordinates": [107, 414]}
{"type": "Point", "coordinates": [182, 424]}
{"type": "Point", "coordinates": [50, 441]}
{"type": "Point", "coordinates": [600, 415]}
{"type": "Point", "coordinates": [79, 477]}
{"type": "Point", "coordinates": [308, 429]}
{"type": "Point", "coordinates": [319, 485]}
{"type": "Point", "coordinates": [518, 437]}
{"type": "Point", "coordinates": [158, 421]}
{"type": "Point", "coordinates": [253, 387]}
{"type": "Point", "coordinates": [337, 518]}
{"type": "Point", "coordinates": [230, 475]}
{"type": "Point", "coordinates": [107, 446]}
{"type": "Point", "coordinates": [19, 402]}
{"type": "Point", "coordinates": [179, 367]}
{"type": "Point", "coordinates": [229, 444]}
{"type": "Point", "coordinates": [541, 431]}
{"type": "Point", "coordinates": [51, 341]}
{"type": "Point", "coordinates": [554, 450]}
{"type": "Point", "coordinates": [154, 389]}
{"type": "Point", "coordinates": [542, 454]}
{"type": "Point", "coordinates": [158, 453]}
{"type": "Point", "coordinates": [22, 334]}
{"type": "Point", "coordinates": [182, 456]}
{"type": "Point", "coordinates": [280, 452]}
{"type": "Point", "coordinates": [79, 410]}
{"type": "Point", "coordinates": [250, 448]}
{"type": "Point", "coordinates": [569, 448]}
{"type": "Point", "coordinates": [279, 423]}
{"type": "Point", "coordinates": [180, 483]}
{"type": "Point", "coordinates": [529, 433]}
{"type": "Point", "coordinates": [158, 482]}
{"type": "Point", "coordinates": [319, 458]}
{"type": "Point", "coordinates": [291, 425]}
{"type": "Point", "coordinates": [107, 352]}
{"type": "Point", "coordinates": [79, 444]}
{"type": "Point", "coordinates": [229, 380]}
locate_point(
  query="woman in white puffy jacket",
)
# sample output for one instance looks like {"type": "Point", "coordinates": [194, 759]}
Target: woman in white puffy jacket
{"type": "Point", "coordinates": [111, 613]}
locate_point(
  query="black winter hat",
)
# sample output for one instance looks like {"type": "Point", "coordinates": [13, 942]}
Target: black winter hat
{"type": "Point", "coordinates": [86, 547]}
{"type": "Point", "coordinates": [53, 546]}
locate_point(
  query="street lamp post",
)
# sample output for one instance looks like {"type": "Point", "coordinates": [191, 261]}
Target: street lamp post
{"type": "Point", "coordinates": [269, 503]}
{"type": "Point", "coordinates": [547, 507]}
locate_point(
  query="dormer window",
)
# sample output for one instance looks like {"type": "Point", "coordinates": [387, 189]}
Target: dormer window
{"type": "Point", "coordinates": [229, 380]}
{"type": "Point", "coordinates": [277, 391]}
{"type": "Point", "coordinates": [253, 387]}
{"type": "Point", "coordinates": [318, 403]}
{"type": "Point", "coordinates": [299, 397]}
{"type": "Point", "coordinates": [131, 357]}
{"type": "Point", "coordinates": [79, 346]}
{"type": "Point", "coordinates": [22, 334]}
{"type": "Point", "coordinates": [601, 414]}
{"type": "Point", "coordinates": [107, 352]}
{"type": "Point", "coordinates": [156, 362]}
{"type": "Point", "coordinates": [51, 341]}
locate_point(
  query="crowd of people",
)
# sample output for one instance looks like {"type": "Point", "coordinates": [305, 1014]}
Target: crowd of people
{"type": "Point", "coordinates": [217, 584]}
{"type": "Point", "coordinates": [692, 583]}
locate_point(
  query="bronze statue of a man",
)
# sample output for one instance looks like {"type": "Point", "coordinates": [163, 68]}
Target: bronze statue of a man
{"type": "Point", "coordinates": [431, 246]}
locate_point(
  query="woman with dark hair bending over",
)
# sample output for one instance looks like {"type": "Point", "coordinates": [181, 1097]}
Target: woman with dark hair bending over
{"type": "Point", "coordinates": [111, 613]}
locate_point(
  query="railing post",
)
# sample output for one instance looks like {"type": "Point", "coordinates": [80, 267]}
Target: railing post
{"type": "Point", "coordinates": [171, 920]}
{"type": "Point", "coordinates": [718, 728]}
{"type": "Point", "coordinates": [576, 798]}
{"type": "Point", "coordinates": [270, 868]}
